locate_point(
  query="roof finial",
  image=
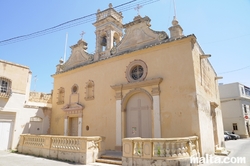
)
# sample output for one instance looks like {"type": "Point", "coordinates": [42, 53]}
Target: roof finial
{"type": "Point", "coordinates": [174, 22]}
{"type": "Point", "coordinates": [137, 8]}
{"type": "Point", "coordinates": [82, 34]}
{"type": "Point", "coordinates": [174, 9]}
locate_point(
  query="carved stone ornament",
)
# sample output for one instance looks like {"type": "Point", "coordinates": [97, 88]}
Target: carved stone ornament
{"type": "Point", "coordinates": [138, 35]}
{"type": "Point", "coordinates": [74, 109]}
{"type": "Point", "coordinates": [78, 56]}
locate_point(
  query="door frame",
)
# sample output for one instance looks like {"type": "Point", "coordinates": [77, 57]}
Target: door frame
{"type": "Point", "coordinates": [124, 109]}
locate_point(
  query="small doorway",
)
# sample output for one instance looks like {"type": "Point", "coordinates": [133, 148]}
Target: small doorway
{"type": "Point", "coordinates": [139, 116]}
{"type": "Point", "coordinates": [73, 126]}
{"type": "Point", "coordinates": [214, 121]}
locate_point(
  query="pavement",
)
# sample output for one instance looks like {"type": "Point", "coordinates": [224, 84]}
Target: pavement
{"type": "Point", "coordinates": [238, 148]}
{"type": "Point", "coordinates": [8, 158]}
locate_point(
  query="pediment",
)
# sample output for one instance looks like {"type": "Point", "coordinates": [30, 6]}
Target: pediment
{"type": "Point", "coordinates": [138, 35]}
{"type": "Point", "coordinates": [78, 56]}
{"type": "Point", "coordinates": [72, 107]}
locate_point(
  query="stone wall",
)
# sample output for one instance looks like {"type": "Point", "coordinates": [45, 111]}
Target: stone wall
{"type": "Point", "coordinates": [82, 150]}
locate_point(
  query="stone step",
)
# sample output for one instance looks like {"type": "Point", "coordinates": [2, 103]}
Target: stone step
{"type": "Point", "coordinates": [111, 157]}
{"type": "Point", "coordinates": [109, 161]}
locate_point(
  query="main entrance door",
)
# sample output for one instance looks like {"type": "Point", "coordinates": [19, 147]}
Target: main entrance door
{"type": "Point", "coordinates": [139, 116]}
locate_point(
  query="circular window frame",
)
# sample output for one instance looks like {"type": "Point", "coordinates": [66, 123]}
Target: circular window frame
{"type": "Point", "coordinates": [74, 87]}
{"type": "Point", "coordinates": [131, 66]}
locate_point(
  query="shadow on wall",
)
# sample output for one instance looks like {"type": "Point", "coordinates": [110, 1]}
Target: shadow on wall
{"type": "Point", "coordinates": [3, 103]}
{"type": "Point", "coordinates": [40, 123]}
{"type": "Point", "coordinates": [26, 129]}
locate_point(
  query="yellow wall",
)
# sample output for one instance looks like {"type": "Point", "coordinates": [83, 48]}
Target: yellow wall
{"type": "Point", "coordinates": [207, 95]}
{"type": "Point", "coordinates": [171, 61]}
{"type": "Point", "coordinates": [18, 74]}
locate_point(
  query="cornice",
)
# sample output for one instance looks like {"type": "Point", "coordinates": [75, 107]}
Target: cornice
{"type": "Point", "coordinates": [154, 81]}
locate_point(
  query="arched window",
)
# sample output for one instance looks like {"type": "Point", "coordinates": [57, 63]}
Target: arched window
{"type": "Point", "coordinates": [116, 39]}
{"type": "Point", "coordinates": [60, 99]}
{"type": "Point", "coordinates": [5, 87]}
{"type": "Point", "coordinates": [104, 42]}
{"type": "Point", "coordinates": [89, 90]}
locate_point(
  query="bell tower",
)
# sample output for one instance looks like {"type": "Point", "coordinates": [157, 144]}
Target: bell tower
{"type": "Point", "coordinates": [108, 31]}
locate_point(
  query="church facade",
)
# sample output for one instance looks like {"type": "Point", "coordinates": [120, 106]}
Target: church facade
{"type": "Point", "coordinates": [138, 83]}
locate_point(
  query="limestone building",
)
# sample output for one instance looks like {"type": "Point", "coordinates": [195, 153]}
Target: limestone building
{"type": "Point", "coordinates": [235, 102]}
{"type": "Point", "coordinates": [140, 83]}
{"type": "Point", "coordinates": [21, 111]}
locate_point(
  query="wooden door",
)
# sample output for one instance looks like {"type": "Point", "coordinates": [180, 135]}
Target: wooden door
{"type": "Point", "coordinates": [73, 126]}
{"type": "Point", "coordinates": [139, 116]}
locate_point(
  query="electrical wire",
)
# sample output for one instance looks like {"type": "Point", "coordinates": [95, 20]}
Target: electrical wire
{"type": "Point", "coordinates": [226, 72]}
{"type": "Point", "coordinates": [75, 22]}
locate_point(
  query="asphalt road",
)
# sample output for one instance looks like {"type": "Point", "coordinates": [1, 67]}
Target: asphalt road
{"type": "Point", "coordinates": [238, 148]}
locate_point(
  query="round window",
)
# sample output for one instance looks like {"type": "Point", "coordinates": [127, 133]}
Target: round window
{"type": "Point", "coordinates": [74, 89]}
{"type": "Point", "coordinates": [136, 71]}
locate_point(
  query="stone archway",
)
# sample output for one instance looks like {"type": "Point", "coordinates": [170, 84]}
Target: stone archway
{"type": "Point", "coordinates": [121, 105]}
{"type": "Point", "coordinates": [139, 116]}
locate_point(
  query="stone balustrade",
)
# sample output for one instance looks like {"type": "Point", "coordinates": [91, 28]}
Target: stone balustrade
{"type": "Point", "coordinates": [106, 13]}
{"type": "Point", "coordinates": [159, 151]}
{"type": "Point", "coordinates": [82, 150]}
{"type": "Point", "coordinates": [40, 97]}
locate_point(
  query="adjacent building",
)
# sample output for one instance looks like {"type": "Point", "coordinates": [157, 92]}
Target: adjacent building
{"type": "Point", "coordinates": [21, 111]}
{"type": "Point", "coordinates": [138, 83]}
{"type": "Point", "coordinates": [235, 101]}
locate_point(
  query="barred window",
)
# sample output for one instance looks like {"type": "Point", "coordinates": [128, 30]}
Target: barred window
{"type": "Point", "coordinates": [5, 87]}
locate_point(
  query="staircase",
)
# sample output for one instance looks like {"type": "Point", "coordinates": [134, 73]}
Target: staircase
{"type": "Point", "coordinates": [111, 157]}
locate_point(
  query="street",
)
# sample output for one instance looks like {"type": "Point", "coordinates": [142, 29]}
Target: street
{"type": "Point", "coordinates": [238, 148]}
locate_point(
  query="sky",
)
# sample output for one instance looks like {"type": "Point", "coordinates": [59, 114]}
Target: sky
{"type": "Point", "coordinates": [222, 28]}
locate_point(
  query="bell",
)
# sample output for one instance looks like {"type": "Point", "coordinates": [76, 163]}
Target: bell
{"type": "Point", "coordinates": [104, 41]}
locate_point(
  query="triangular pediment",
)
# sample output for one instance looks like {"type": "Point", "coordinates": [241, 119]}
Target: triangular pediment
{"type": "Point", "coordinates": [138, 35]}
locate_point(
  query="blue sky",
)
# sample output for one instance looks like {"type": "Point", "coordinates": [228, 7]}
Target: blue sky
{"type": "Point", "coordinates": [222, 28]}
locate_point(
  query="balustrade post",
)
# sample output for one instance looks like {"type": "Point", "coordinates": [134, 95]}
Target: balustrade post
{"type": "Point", "coordinates": [178, 147]}
{"type": "Point", "coordinates": [173, 149]}
{"type": "Point", "coordinates": [128, 147]}
{"type": "Point", "coordinates": [190, 148]}
{"type": "Point", "coordinates": [147, 149]}
{"type": "Point", "coordinates": [197, 147]}
{"type": "Point", "coordinates": [167, 149]}
{"type": "Point", "coordinates": [183, 149]}
{"type": "Point", "coordinates": [156, 145]}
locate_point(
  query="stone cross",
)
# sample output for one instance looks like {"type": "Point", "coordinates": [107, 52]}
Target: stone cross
{"type": "Point", "coordinates": [82, 34]}
{"type": "Point", "coordinates": [138, 9]}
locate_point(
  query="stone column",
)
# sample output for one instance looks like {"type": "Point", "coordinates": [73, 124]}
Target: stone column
{"type": "Point", "coordinates": [118, 121]}
{"type": "Point", "coordinates": [156, 111]}
{"type": "Point", "coordinates": [79, 126]}
{"type": "Point", "coordinates": [66, 126]}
